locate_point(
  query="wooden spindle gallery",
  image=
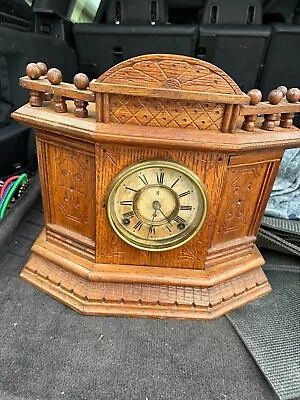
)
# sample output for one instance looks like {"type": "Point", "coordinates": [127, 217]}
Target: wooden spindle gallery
{"type": "Point", "coordinates": [154, 178]}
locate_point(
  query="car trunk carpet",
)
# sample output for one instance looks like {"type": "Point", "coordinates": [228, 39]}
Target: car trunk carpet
{"type": "Point", "coordinates": [280, 235]}
{"type": "Point", "coordinates": [270, 326]}
{"type": "Point", "coordinates": [48, 351]}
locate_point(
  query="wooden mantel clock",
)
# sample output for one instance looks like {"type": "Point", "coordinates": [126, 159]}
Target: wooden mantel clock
{"type": "Point", "coordinates": [154, 179]}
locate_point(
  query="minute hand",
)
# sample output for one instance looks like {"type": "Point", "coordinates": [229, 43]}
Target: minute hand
{"type": "Point", "coordinates": [165, 216]}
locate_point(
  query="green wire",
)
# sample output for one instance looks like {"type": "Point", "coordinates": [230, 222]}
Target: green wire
{"type": "Point", "coordinates": [23, 178]}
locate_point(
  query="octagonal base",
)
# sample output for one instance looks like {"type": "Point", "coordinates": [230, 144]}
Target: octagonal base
{"type": "Point", "coordinates": [88, 291]}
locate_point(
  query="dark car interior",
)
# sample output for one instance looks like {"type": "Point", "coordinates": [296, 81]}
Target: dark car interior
{"type": "Point", "coordinates": [58, 355]}
{"type": "Point", "coordinates": [257, 45]}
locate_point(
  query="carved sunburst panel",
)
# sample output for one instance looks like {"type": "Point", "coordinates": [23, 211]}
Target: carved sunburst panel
{"type": "Point", "coordinates": [171, 71]}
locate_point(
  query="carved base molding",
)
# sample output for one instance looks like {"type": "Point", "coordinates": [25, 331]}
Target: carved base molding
{"type": "Point", "coordinates": [57, 273]}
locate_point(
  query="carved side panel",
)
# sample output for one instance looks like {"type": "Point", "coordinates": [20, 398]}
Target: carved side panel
{"type": "Point", "coordinates": [167, 113]}
{"type": "Point", "coordinates": [110, 249]}
{"type": "Point", "coordinates": [241, 194]}
{"type": "Point", "coordinates": [72, 189]}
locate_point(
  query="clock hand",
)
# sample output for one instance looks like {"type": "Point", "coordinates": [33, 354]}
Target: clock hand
{"type": "Point", "coordinates": [157, 206]}
{"type": "Point", "coordinates": [165, 216]}
{"type": "Point", "coordinates": [150, 228]}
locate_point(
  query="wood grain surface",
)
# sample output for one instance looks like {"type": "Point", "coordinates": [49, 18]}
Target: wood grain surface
{"type": "Point", "coordinates": [152, 107]}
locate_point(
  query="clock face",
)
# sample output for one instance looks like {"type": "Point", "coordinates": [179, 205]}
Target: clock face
{"type": "Point", "coordinates": [156, 205]}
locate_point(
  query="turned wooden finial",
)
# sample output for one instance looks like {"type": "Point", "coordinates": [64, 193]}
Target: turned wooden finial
{"type": "Point", "coordinates": [292, 96]}
{"type": "Point", "coordinates": [43, 67]}
{"type": "Point", "coordinates": [283, 89]}
{"type": "Point", "coordinates": [33, 71]}
{"type": "Point", "coordinates": [54, 76]}
{"type": "Point", "coordinates": [249, 122]}
{"type": "Point", "coordinates": [81, 81]}
{"type": "Point", "coordinates": [274, 97]}
{"type": "Point", "coordinates": [255, 96]}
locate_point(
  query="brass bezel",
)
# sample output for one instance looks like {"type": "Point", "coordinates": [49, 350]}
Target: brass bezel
{"type": "Point", "coordinates": [154, 163]}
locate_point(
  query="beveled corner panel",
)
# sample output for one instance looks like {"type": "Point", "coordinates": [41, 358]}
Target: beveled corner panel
{"type": "Point", "coordinates": [246, 189]}
{"type": "Point", "coordinates": [70, 173]}
{"type": "Point", "coordinates": [68, 183]}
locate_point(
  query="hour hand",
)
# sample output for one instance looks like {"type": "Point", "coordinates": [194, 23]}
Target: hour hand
{"type": "Point", "coordinates": [151, 225]}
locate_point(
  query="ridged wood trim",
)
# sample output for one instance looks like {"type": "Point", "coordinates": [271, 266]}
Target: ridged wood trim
{"type": "Point", "coordinates": [99, 107]}
{"type": "Point", "coordinates": [256, 157]}
{"type": "Point", "coordinates": [229, 250]}
{"type": "Point", "coordinates": [267, 108]}
{"type": "Point", "coordinates": [71, 245]}
{"type": "Point", "coordinates": [70, 144]}
{"type": "Point", "coordinates": [42, 152]}
{"type": "Point", "coordinates": [227, 118]}
{"type": "Point", "coordinates": [144, 300]}
{"type": "Point", "coordinates": [105, 107]}
{"type": "Point", "coordinates": [89, 130]}
{"type": "Point", "coordinates": [87, 242]}
{"type": "Point", "coordinates": [71, 240]}
{"type": "Point", "coordinates": [63, 89]}
{"type": "Point", "coordinates": [145, 274]}
{"type": "Point", "coordinates": [234, 118]}
{"type": "Point", "coordinates": [168, 93]}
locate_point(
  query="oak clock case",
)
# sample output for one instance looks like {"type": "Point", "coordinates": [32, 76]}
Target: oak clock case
{"type": "Point", "coordinates": [156, 205]}
{"type": "Point", "coordinates": [154, 179]}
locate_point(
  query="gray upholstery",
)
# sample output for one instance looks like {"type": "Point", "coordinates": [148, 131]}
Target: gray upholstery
{"type": "Point", "coordinates": [237, 49]}
{"type": "Point", "coordinates": [232, 12]}
{"type": "Point", "coordinates": [116, 43]}
{"type": "Point", "coordinates": [282, 63]}
{"type": "Point", "coordinates": [136, 11]}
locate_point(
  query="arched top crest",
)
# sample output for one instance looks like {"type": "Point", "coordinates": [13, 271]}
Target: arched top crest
{"type": "Point", "coordinates": [171, 72]}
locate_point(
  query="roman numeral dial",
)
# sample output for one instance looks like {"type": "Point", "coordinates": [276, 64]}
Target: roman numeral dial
{"type": "Point", "coordinates": [160, 176]}
{"type": "Point", "coordinates": [156, 205]}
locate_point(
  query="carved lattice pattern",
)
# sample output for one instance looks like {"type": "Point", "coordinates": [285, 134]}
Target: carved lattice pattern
{"type": "Point", "coordinates": [165, 113]}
